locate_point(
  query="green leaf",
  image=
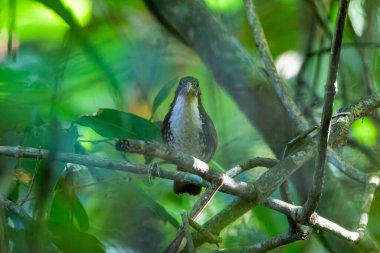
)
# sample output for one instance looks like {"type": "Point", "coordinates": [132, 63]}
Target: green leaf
{"type": "Point", "coordinates": [66, 207]}
{"type": "Point", "coordinates": [365, 132]}
{"type": "Point", "coordinates": [70, 239]}
{"type": "Point", "coordinates": [111, 123]}
{"type": "Point", "coordinates": [163, 94]}
{"type": "Point", "coordinates": [224, 5]}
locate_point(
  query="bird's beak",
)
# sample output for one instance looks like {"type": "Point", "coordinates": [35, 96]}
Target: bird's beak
{"type": "Point", "coordinates": [189, 89]}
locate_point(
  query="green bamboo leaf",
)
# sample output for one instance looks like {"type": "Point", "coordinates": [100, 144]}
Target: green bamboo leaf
{"type": "Point", "coordinates": [111, 123]}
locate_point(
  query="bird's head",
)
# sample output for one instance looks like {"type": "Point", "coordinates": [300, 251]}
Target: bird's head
{"type": "Point", "coordinates": [189, 88]}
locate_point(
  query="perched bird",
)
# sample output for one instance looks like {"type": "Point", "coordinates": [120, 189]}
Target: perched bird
{"type": "Point", "coordinates": [188, 128]}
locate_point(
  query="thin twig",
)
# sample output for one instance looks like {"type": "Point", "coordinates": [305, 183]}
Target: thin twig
{"type": "Point", "coordinates": [292, 143]}
{"type": "Point", "coordinates": [16, 209]}
{"type": "Point", "coordinates": [196, 210]}
{"type": "Point", "coordinates": [203, 200]}
{"type": "Point", "coordinates": [330, 91]}
{"type": "Point", "coordinates": [250, 164]}
{"type": "Point", "coordinates": [321, 223]}
{"type": "Point", "coordinates": [31, 184]}
{"type": "Point", "coordinates": [209, 237]}
{"type": "Point", "coordinates": [317, 70]}
{"type": "Point", "coordinates": [301, 84]}
{"type": "Point", "coordinates": [284, 187]}
{"type": "Point", "coordinates": [316, 221]}
{"type": "Point", "coordinates": [343, 87]}
{"type": "Point", "coordinates": [268, 244]}
{"type": "Point", "coordinates": [371, 186]}
{"type": "Point", "coordinates": [346, 45]}
{"type": "Point", "coordinates": [367, 75]}
{"type": "Point", "coordinates": [186, 228]}
{"type": "Point", "coordinates": [11, 27]}
{"type": "Point", "coordinates": [322, 19]}
{"type": "Point", "coordinates": [346, 168]}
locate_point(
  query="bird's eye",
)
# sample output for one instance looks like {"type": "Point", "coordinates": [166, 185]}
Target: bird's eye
{"type": "Point", "coordinates": [197, 85]}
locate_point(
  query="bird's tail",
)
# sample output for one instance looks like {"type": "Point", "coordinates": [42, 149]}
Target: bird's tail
{"type": "Point", "coordinates": [181, 187]}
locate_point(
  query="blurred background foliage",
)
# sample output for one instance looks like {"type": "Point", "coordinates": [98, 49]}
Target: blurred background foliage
{"type": "Point", "coordinates": [73, 72]}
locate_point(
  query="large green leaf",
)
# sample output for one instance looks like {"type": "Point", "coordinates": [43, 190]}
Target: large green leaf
{"type": "Point", "coordinates": [71, 240]}
{"type": "Point", "coordinates": [123, 125]}
{"type": "Point", "coordinates": [66, 207]}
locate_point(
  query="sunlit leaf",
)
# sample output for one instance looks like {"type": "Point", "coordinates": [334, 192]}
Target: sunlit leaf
{"type": "Point", "coordinates": [365, 131]}
{"type": "Point", "coordinates": [123, 125]}
{"type": "Point", "coordinates": [87, 46]}
{"type": "Point", "coordinates": [81, 10]}
{"type": "Point", "coordinates": [224, 5]}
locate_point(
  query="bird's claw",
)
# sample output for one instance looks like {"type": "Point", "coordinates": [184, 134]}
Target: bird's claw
{"type": "Point", "coordinates": [153, 167]}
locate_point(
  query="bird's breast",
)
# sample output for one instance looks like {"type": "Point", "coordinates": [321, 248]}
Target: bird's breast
{"type": "Point", "coordinates": [185, 126]}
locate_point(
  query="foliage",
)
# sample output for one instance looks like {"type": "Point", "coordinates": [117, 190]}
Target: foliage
{"type": "Point", "coordinates": [62, 61]}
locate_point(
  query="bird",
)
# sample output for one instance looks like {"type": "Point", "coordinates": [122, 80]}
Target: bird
{"type": "Point", "coordinates": [188, 128]}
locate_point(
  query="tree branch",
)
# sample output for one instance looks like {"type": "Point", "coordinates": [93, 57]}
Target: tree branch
{"type": "Point", "coordinates": [18, 209]}
{"type": "Point", "coordinates": [209, 237]}
{"type": "Point", "coordinates": [102, 162]}
{"type": "Point", "coordinates": [330, 91]}
{"type": "Point", "coordinates": [320, 223]}
{"type": "Point", "coordinates": [190, 164]}
{"type": "Point", "coordinates": [268, 244]}
{"type": "Point", "coordinates": [186, 228]}
{"type": "Point", "coordinates": [250, 164]}
{"type": "Point", "coordinates": [346, 168]}
{"type": "Point", "coordinates": [371, 186]}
